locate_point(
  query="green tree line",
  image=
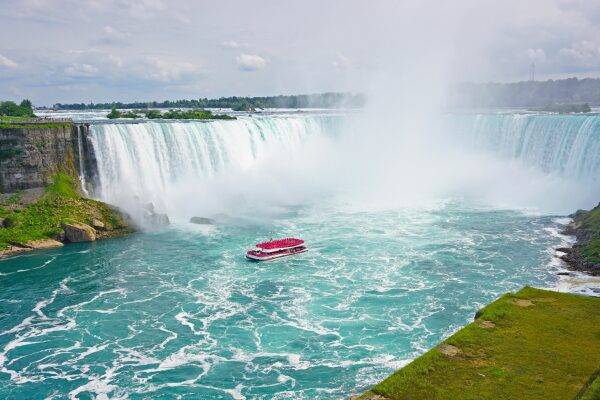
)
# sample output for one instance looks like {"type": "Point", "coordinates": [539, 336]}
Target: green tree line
{"type": "Point", "coordinates": [12, 109]}
{"type": "Point", "coordinates": [321, 100]}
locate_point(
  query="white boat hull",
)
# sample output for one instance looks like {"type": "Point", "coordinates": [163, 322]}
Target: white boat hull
{"type": "Point", "coordinates": [269, 257]}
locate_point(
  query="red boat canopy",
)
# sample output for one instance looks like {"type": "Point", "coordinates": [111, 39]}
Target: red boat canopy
{"type": "Point", "coordinates": [280, 244]}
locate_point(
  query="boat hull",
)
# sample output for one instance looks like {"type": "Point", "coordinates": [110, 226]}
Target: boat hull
{"type": "Point", "coordinates": [256, 256]}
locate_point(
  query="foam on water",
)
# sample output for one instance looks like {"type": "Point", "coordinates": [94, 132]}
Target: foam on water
{"type": "Point", "coordinates": [180, 312]}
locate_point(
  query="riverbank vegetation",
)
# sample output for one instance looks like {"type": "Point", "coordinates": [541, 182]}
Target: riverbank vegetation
{"type": "Point", "coordinates": [115, 114]}
{"type": "Point", "coordinates": [171, 114]}
{"type": "Point", "coordinates": [21, 116]}
{"type": "Point", "coordinates": [31, 123]}
{"type": "Point", "coordinates": [27, 217]}
{"type": "Point", "coordinates": [534, 344]}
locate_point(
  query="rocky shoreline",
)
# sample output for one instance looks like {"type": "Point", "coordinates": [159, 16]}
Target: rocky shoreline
{"type": "Point", "coordinates": [36, 219]}
{"type": "Point", "coordinates": [584, 255]}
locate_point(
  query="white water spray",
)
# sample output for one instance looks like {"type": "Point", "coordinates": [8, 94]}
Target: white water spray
{"type": "Point", "coordinates": [257, 164]}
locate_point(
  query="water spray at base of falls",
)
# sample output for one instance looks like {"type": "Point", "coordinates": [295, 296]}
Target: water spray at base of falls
{"type": "Point", "coordinates": [257, 165]}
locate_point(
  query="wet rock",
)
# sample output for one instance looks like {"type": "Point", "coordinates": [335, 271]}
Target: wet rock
{"type": "Point", "coordinates": [202, 221]}
{"type": "Point", "coordinates": [155, 220]}
{"type": "Point", "coordinates": [30, 151]}
{"type": "Point", "coordinates": [78, 232]}
{"type": "Point", "coordinates": [585, 228]}
{"type": "Point", "coordinates": [98, 225]}
{"type": "Point", "coordinates": [149, 207]}
{"type": "Point", "coordinates": [44, 244]}
{"type": "Point", "coordinates": [60, 236]}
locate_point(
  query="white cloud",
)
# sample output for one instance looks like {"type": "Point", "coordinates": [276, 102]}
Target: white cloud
{"type": "Point", "coordinates": [81, 70]}
{"type": "Point", "coordinates": [156, 69]}
{"type": "Point", "coordinates": [250, 62]}
{"type": "Point", "coordinates": [582, 54]}
{"type": "Point", "coordinates": [230, 44]}
{"type": "Point", "coordinates": [111, 35]}
{"type": "Point", "coordinates": [7, 62]}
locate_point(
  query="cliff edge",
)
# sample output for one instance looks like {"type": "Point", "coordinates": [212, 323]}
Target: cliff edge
{"type": "Point", "coordinates": [41, 195]}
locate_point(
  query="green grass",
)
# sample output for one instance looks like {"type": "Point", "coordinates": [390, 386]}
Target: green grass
{"type": "Point", "coordinates": [592, 392]}
{"type": "Point", "coordinates": [62, 185]}
{"type": "Point", "coordinates": [548, 350]}
{"type": "Point", "coordinates": [6, 118]}
{"type": "Point", "coordinates": [59, 204]}
{"type": "Point", "coordinates": [45, 125]}
{"type": "Point", "coordinates": [7, 122]}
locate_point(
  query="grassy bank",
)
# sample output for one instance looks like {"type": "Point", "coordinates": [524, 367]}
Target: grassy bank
{"type": "Point", "coordinates": [9, 122]}
{"type": "Point", "coordinates": [534, 344]}
{"type": "Point", "coordinates": [42, 218]}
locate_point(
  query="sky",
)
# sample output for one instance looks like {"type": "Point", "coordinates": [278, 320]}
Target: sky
{"type": "Point", "coordinates": [115, 50]}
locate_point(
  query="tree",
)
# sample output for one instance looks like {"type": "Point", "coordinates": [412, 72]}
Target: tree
{"type": "Point", "coordinates": [114, 113]}
{"type": "Point", "coordinates": [26, 108]}
{"type": "Point", "coordinates": [11, 109]}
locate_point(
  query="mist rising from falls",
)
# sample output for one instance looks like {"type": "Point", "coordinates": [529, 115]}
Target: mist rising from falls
{"type": "Point", "coordinates": [254, 165]}
{"type": "Point", "coordinates": [203, 168]}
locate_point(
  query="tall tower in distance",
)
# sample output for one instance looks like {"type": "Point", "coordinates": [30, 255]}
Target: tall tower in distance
{"type": "Point", "coordinates": [532, 72]}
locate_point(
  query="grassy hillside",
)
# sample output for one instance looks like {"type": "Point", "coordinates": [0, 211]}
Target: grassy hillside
{"type": "Point", "coordinates": [534, 344]}
{"type": "Point", "coordinates": [25, 222]}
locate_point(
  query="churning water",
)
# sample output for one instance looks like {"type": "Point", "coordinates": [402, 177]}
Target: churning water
{"type": "Point", "coordinates": [179, 313]}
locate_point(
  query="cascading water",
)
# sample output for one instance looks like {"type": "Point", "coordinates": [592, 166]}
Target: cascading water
{"type": "Point", "coordinates": [186, 167]}
{"type": "Point", "coordinates": [568, 145]}
{"type": "Point", "coordinates": [180, 312]}
{"type": "Point", "coordinates": [80, 153]}
{"type": "Point", "coordinates": [161, 161]}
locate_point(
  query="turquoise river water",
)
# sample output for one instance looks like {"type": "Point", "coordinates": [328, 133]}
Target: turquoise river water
{"type": "Point", "coordinates": [179, 313]}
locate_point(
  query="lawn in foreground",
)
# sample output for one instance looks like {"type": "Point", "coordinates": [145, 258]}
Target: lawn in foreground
{"type": "Point", "coordinates": [534, 344]}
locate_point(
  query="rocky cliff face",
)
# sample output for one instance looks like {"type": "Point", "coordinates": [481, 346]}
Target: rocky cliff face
{"type": "Point", "coordinates": [29, 155]}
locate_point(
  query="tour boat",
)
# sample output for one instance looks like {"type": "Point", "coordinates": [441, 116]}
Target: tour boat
{"type": "Point", "coordinates": [276, 248]}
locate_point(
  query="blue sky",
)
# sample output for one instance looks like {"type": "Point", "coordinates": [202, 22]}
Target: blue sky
{"type": "Point", "coordinates": [104, 50]}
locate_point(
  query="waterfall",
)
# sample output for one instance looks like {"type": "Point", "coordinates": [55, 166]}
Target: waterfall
{"type": "Point", "coordinates": [80, 157]}
{"type": "Point", "coordinates": [196, 167]}
{"type": "Point", "coordinates": [150, 161]}
{"type": "Point", "coordinates": [566, 145]}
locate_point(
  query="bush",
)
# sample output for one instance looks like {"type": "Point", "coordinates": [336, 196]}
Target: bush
{"type": "Point", "coordinates": [114, 113]}
{"type": "Point", "coordinates": [153, 114]}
